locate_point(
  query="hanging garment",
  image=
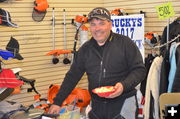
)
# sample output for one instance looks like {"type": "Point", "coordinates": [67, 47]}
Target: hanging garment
{"type": "Point", "coordinates": [176, 83]}
{"type": "Point", "coordinates": [148, 61]}
{"type": "Point", "coordinates": [152, 88]}
{"type": "Point", "coordinates": [174, 30]}
{"type": "Point", "coordinates": [172, 71]}
{"type": "Point", "coordinates": [165, 67]}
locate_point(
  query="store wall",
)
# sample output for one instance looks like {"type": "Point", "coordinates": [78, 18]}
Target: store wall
{"type": "Point", "coordinates": [35, 39]}
{"type": "Point", "coordinates": [152, 22]}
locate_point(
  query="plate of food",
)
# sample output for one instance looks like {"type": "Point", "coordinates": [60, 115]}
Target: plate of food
{"type": "Point", "coordinates": [104, 91]}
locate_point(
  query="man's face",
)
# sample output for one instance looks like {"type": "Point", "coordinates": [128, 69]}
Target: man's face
{"type": "Point", "coordinates": [100, 30]}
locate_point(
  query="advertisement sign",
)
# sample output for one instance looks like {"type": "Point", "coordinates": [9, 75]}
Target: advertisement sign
{"type": "Point", "coordinates": [131, 26]}
{"type": "Point", "coordinates": [165, 11]}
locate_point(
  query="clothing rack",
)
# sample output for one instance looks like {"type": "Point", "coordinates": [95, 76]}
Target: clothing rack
{"type": "Point", "coordinates": [165, 44]}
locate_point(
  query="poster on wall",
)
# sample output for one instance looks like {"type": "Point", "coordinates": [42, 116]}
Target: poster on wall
{"type": "Point", "coordinates": [131, 26]}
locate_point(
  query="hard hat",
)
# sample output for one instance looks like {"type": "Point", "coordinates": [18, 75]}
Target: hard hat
{"type": "Point", "coordinates": [152, 38]}
{"type": "Point", "coordinates": [118, 12]}
{"type": "Point", "coordinates": [39, 10]}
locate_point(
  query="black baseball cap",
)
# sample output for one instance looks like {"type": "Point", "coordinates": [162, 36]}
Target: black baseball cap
{"type": "Point", "coordinates": [13, 46]}
{"type": "Point", "coordinates": [100, 13]}
{"type": "Point", "coordinates": [5, 18]}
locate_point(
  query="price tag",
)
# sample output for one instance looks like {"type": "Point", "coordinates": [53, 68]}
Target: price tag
{"type": "Point", "coordinates": [165, 11]}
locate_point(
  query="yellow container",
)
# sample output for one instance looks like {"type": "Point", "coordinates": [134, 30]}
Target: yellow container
{"type": "Point", "coordinates": [70, 113]}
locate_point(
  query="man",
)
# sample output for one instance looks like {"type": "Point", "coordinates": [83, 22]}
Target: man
{"type": "Point", "coordinates": [108, 59]}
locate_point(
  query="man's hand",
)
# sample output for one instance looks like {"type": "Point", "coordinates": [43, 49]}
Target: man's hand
{"type": "Point", "coordinates": [54, 109]}
{"type": "Point", "coordinates": [118, 91]}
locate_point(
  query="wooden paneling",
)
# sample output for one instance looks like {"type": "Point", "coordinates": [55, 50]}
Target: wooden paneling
{"type": "Point", "coordinates": [35, 39]}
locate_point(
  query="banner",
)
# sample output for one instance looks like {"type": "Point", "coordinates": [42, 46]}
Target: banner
{"type": "Point", "coordinates": [131, 26]}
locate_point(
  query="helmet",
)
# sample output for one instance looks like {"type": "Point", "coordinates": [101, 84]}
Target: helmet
{"type": "Point", "coordinates": [81, 19]}
{"type": "Point", "coordinates": [39, 10]}
{"type": "Point", "coordinates": [152, 38]}
{"type": "Point", "coordinates": [118, 12]}
{"type": "Point", "coordinates": [41, 5]}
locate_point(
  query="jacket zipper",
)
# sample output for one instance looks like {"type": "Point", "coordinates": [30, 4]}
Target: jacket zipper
{"type": "Point", "coordinates": [100, 76]}
{"type": "Point", "coordinates": [101, 68]}
{"type": "Point", "coordinates": [102, 73]}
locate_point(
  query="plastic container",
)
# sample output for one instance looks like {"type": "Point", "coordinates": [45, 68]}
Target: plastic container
{"type": "Point", "coordinates": [70, 112]}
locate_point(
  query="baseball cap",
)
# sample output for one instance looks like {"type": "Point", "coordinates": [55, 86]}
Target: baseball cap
{"type": "Point", "coordinates": [39, 10]}
{"type": "Point", "coordinates": [8, 81]}
{"type": "Point", "coordinates": [6, 54]}
{"type": "Point", "coordinates": [100, 13]}
{"type": "Point", "coordinates": [13, 46]}
{"type": "Point", "coordinates": [5, 18]}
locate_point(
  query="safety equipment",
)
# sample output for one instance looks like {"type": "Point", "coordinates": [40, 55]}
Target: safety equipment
{"type": "Point", "coordinates": [118, 12]}
{"type": "Point", "coordinates": [83, 34]}
{"type": "Point", "coordinates": [152, 38]}
{"type": "Point", "coordinates": [81, 19]}
{"type": "Point", "coordinates": [79, 23]}
{"type": "Point", "coordinates": [100, 13]}
{"type": "Point", "coordinates": [81, 96]}
{"type": "Point", "coordinates": [80, 27]}
{"type": "Point", "coordinates": [41, 5]}
{"type": "Point", "coordinates": [39, 10]}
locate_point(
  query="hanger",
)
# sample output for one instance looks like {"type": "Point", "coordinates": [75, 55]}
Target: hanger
{"type": "Point", "coordinates": [153, 52]}
{"type": "Point", "coordinates": [172, 40]}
